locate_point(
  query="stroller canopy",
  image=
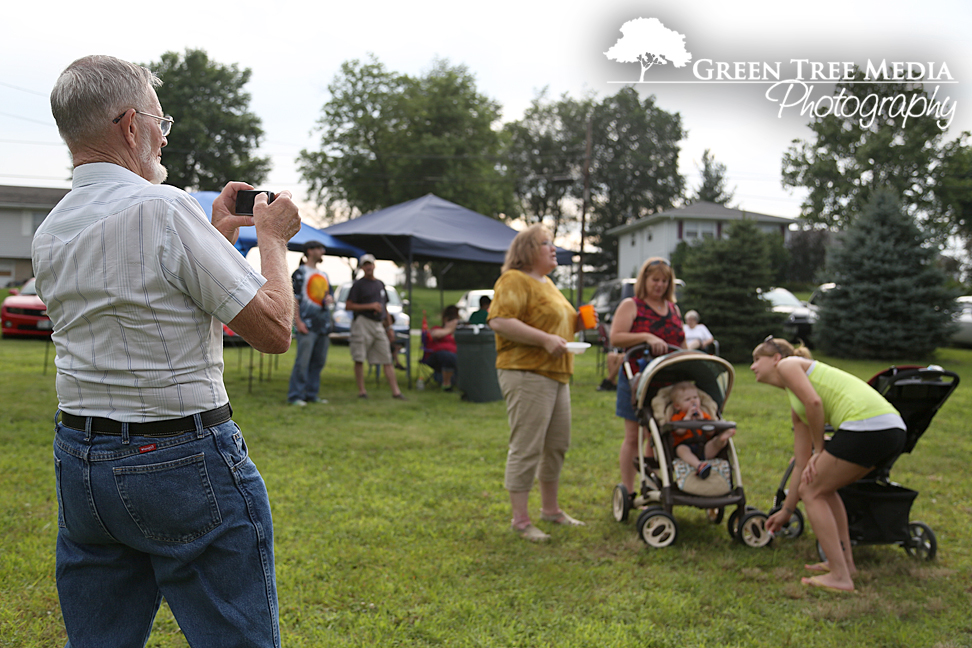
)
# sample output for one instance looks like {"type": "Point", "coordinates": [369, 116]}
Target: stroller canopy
{"type": "Point", "coordinates": [712, 374]}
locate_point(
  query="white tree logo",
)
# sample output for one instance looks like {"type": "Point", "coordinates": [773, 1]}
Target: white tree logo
{"type": "Point", "coordinates": [647, 41]}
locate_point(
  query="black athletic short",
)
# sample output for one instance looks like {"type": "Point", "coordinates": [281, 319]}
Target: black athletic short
{"type": "Point", "coordinates": [866, 449]}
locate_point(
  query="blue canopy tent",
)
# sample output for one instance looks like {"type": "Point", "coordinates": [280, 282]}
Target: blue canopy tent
{"type": "Point", "coordinates": [248, 239]}
{"type": "Point", "coordinates": [430, 228]}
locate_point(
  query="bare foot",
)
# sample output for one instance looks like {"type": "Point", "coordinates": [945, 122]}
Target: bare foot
{"type": "Point", "coordinates": [830, 583]}
{"type": "Point", "coordinates": [824, 567]}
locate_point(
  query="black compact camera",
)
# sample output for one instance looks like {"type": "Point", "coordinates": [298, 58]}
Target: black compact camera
{"type": "Point", "coordinates": [245, 198]}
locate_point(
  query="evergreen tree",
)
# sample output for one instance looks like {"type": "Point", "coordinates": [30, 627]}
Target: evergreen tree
{"type": "Point", "coordinates": [890, 301]}
{"type": "Point", "coordinates": [722, 279]}
{"type": "Point", "coordinates": [808, 254]}
{"type": "Point", "coordinates": [713, 188]}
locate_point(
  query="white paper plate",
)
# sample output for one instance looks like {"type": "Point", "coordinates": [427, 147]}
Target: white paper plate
{"type": "Point", "coordinates": [578, 347]}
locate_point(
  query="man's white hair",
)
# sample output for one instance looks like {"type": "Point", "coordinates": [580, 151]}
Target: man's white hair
{"type": "Point", "coordinates": [94, 90]}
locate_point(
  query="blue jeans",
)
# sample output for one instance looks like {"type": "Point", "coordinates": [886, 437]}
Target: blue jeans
{"type": "Point", "coordinates": [185, 517]}
{"type": "Point", "coordinates": [305, 379]}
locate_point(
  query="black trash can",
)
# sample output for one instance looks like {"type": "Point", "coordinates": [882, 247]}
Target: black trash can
{"type": "Point", "coordinates": [476, 353]}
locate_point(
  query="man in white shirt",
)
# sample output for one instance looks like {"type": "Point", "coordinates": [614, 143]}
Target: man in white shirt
{"type": "Point", "coordinates": [156, 493]}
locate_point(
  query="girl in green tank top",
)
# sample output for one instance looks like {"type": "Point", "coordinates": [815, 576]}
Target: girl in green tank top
{"type": "Point", "coordinates": [868, 430]}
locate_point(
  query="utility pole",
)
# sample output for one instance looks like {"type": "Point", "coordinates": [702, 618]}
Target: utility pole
{"type": "Point", "coordinates": [584, 204]}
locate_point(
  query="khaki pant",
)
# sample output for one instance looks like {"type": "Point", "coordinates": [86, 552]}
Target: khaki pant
{"type": "Point", "coordinates": [369, 342]}
{"type": "Point", "coordinates": [539, 413]}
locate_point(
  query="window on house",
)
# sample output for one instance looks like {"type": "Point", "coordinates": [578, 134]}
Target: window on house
{"type": "Point", "coordinates": [696, 230]}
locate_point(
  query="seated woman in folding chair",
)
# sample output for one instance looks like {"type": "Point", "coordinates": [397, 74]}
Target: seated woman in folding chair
{"type": "Point", "coordinates": [440, 347]}
{"type": "Point", "coordinates": [698, 336]}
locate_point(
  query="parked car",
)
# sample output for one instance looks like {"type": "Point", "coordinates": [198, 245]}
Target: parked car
{"type": "Point", "coordinates": [963, 320]}
{"type": "Point", "coordinates": [799, 316]}
{"type": "Point", "coordinates": [342, 318]}
{"type": "Point", "coordinates": [818, 292]}
{"type": "Point", "coordinates": [469, 302]}
{"type": "Point", "coordinates": [24, 314]}
{"type": "Point", "coordinates": [606, 298]}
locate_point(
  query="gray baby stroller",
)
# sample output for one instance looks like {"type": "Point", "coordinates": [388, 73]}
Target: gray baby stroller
{"type": "Point", "coordinates": [659, 488]}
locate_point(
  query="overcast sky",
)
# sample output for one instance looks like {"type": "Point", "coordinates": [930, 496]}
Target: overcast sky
{"type": "Point", "coordinates": [514, 48]}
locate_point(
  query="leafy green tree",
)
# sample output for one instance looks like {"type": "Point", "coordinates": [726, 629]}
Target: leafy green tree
{"type": "Point", "coordinates": [215, 135]}
{"type": "Point", "coordinates": [713, 188]}
{"type": "Point", "coordinates": [387, 138]}
{"type": "Point", "coordinates": [955, 188]}
{"type": "Point", "coordinates": [847, 161]}
{"type": "Point", "coordinates": [545, 152]}
{"type": "Point", "coordinates": [722, 281]}
{"type": "Point", "coordinates": [634, 170]}
{"type": "Point", "coordinates": [890, 301]}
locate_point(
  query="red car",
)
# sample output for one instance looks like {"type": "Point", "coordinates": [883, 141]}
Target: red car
{"type": "Point", "coordinates": [24, 314]}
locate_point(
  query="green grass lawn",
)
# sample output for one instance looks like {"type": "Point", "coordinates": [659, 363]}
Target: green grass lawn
{"type": "Point", "coordinates": [392, 526]}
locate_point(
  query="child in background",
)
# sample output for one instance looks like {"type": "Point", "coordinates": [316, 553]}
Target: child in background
{"type": "Point", "coordinates": [689, 447]}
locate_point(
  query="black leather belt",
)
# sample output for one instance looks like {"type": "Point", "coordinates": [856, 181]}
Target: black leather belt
{"type": "Point", "coordinates": [169, 427]}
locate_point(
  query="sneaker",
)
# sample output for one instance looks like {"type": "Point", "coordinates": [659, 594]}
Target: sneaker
{"type": "Point", "coordinates": [704, 469]}
{"type": "Point", "coordinates": [322, 401]}
{"type": "Point", "coordinates": [298, 403]}
{"type": "Point", "coordinates": [399, 397]}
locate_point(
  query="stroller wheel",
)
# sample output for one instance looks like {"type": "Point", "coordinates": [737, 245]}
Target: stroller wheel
{"type": "Point", "coordinates": [921, 541]}
{"type": "Point", "coordinates": [621, 503]}
{"type": "Point", "coordinates": [657, 527]}
{"type": "Point", "coordinates": [733, 524]}
{"type": "Point", "coordinates": [794, 526]}
{"type": "Point", "coordinates": [752, 530]}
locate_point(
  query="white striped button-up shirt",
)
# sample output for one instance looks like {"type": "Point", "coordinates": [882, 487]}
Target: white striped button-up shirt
{"type": "Point", "coordinates": [136, 281]}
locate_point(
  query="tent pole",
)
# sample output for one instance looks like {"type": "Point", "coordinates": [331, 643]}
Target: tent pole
{"type": "Point", "coordinates": [408, 343]}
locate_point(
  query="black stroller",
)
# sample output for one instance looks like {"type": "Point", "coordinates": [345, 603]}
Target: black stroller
{"type": "Point", "coordinates": [877, 508]}
{"type": "Point", "coordinates": [658, 487]}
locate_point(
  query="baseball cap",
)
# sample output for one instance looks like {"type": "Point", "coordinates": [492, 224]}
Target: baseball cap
{"type": "Point", "coordinates": [366, 258]}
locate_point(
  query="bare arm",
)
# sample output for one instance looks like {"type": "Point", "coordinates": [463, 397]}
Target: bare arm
{"type": "Point", "coordinates": [355, 307]}
{"type": "Point", "coordinates": [518, 331]}
{"type": "Point", "coordinates": [793, 372]}
{"type": "Point", "coordinates": [266, 320]}
{"type": "Point", "coordinates": [802, 451]}
{"type": "Point", "coordinates": [446, 329]}
{"type": "Point", "coordinates": [298, 322]}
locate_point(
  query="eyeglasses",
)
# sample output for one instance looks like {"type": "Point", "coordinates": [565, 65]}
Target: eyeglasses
{"type": "Point", "coordinates": [165, 123]}
{"type": "Point", "coordinates": [548, 243]}
{"type": "Point", "coordinates": [659, 261]}
{"type": "Point", "coordinates": [769, 340]}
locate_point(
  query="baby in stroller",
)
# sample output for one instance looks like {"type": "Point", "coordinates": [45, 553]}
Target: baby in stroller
{"type": "Point", "coordinates": [666, 480]}
{"type": "Point", "coordinates": [694, 447]}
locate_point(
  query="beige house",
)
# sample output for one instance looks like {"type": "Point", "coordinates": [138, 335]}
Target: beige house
{"type": "Point", "coordinates": [659, 234]}
{"type": "Point", "coordinates": [22, 209]}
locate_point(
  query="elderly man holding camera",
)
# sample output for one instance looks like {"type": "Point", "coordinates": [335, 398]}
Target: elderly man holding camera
{"type": "Point", "coordinates": [156, 493]}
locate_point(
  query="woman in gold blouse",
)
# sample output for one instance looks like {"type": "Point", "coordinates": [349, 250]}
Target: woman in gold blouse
{"type": "Point", "coordinates": [533, 322]}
